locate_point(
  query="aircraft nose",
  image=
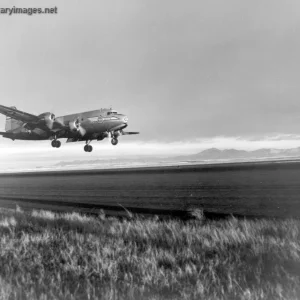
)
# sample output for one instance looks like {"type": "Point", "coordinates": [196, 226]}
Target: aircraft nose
{"type": "Point", "coordinates": [125, 119]}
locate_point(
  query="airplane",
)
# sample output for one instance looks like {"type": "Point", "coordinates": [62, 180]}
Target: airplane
{"type": "Point", "coordinates": [85, 126]}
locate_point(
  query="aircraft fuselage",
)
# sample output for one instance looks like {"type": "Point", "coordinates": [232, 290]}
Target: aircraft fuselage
{"type": "Point", "coordinates": [85, 126]}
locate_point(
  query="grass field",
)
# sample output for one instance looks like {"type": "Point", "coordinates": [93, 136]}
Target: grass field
{"type": "Point", "coordinates": [44, 255]}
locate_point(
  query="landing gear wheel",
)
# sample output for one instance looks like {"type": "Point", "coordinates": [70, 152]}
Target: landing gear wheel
{"type": "Point", "coordinates": [88, 148]}
{"type": "Point", "coordinates": [53, 143]}
{"type": "Point", "coordinates": [114, 141]}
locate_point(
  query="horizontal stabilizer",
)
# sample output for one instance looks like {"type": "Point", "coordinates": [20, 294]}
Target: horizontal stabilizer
{"type": "Point", "coordinates": [6, 134]}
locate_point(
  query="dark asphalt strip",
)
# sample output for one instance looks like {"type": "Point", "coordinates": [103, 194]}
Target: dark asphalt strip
{"type": "Point", "coordinates": [121, 210]}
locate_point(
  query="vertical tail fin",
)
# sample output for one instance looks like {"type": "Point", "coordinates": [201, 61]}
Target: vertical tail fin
{"type": "Point", "coordinates": [11, 124]}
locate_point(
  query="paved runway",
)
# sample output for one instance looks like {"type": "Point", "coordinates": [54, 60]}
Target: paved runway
{"type": "Point", "coordinates": [251, 189]}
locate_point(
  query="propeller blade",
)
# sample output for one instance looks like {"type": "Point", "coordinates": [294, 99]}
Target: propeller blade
{"type": "Point", "coordinates": [81, 130]}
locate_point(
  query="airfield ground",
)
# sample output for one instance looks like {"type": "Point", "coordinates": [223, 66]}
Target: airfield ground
{"type": "Point", "coordinates": [44, 255]}
{"type": "Point", "coordinates": [265, 189]}
{"type": "Point", "coordinates": [67, 255]}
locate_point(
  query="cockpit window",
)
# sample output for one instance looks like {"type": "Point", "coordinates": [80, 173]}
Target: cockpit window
{"type": "Point", "coordinates": [111, 113]}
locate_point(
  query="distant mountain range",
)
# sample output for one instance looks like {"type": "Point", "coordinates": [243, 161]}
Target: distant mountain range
{"type": "Point", "coordinates": [209, 155]}
{"type": "Point", "coordinates": [216, 154]}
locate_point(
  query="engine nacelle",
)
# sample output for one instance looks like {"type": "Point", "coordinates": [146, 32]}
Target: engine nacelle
{"type": "Point", "coordinates": [74, 125]}
{"type": "Point", "coordinates": [102, 136]}
{"type": "Point", "coordinates": [48, 119]}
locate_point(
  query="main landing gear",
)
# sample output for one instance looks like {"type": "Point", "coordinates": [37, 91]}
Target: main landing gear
{"type": "Point", "coordinates": [87, 147]}
{"type": "Point", "coordinates": [55, 144]}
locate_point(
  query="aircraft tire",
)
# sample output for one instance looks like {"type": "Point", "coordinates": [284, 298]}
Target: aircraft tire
{"type": "Point", "coordinates": [58, 144]}
{"type": "Point", "coordinates": [53, 143]}
{"type": "Point", "coordinates": [86, 148]}
{"type": "Point", "coordinates": [114, 141]}
{"type": "Point", "coordinates": [90, 148]}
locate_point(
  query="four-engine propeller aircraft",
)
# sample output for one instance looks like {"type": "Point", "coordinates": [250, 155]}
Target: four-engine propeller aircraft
{"type": "Point", "coordinates": [86, 126]}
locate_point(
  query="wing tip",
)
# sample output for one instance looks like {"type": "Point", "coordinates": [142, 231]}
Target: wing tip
{"type": "Point", "coordinates": [129, 132]}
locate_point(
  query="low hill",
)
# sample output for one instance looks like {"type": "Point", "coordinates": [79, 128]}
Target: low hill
{"type": "Point", "coordinates": [213, 153]}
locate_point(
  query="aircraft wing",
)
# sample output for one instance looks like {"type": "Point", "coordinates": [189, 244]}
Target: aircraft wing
{"type": "Point", "coordinates": [128, 133]}
{"type": "Point", "coordinates": [18, 115]}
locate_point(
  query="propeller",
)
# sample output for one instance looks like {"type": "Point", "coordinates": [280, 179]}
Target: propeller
{"type": "Point", "coordinates": [81, 130]}
{"type": "Point", "coordinates": [76, 126]}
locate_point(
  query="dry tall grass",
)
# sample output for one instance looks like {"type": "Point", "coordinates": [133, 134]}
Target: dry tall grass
{"type": "Point", "coordinates": [44, 255]}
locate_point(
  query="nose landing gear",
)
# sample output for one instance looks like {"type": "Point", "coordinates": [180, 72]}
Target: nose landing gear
{"type": "Point", "coordinates": [114, 141]}
{"type": "Point", "coordinates": [55, 144]}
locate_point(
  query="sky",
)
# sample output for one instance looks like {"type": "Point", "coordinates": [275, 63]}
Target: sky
{"type": "Point", "coordinates": [188, 74]}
